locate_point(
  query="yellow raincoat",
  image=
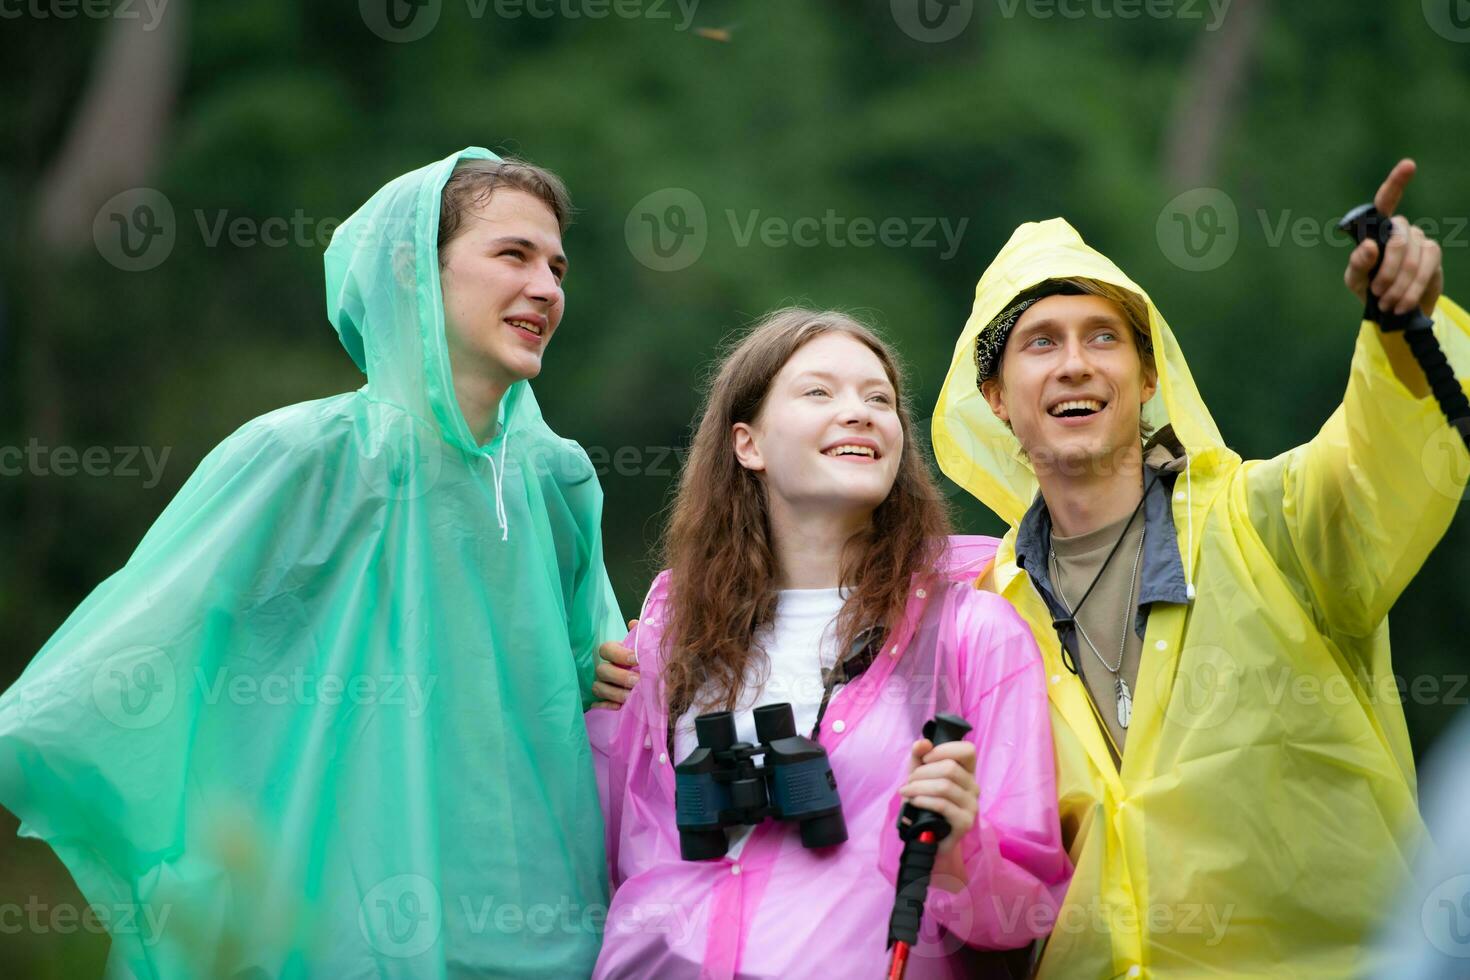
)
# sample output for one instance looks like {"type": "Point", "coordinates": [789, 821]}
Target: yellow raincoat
{"type": "Point", "coordinates": [1265, 809]}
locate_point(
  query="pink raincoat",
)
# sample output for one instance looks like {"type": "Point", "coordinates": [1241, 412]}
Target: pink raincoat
{"type": "Point", "coordinates": [780, 910]}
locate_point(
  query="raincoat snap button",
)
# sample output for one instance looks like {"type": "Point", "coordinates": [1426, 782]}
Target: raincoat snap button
{"type": "Point", "coordinates": [839, 725]}
{"type": "Point", "coordinates": [1162, 645]}
{"type": "Point", "coordinates": [734, 869]}
{"type": "Point", "coordinates": [1179, 495]}
{"type": "Point", "coordinates": [893, 651]}
{"type": "Point", "coordinates": [663, 758]}
{"type": "Point", "coordinates": [1056, 678]}
{"type": "Point", "coordinates": [921, 594]}
{"type": "Point", "coordinates": [1135, 971]}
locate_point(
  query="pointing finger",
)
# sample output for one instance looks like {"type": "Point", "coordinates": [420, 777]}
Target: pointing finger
{"type": "Point", "coordinates": [1391, 191]}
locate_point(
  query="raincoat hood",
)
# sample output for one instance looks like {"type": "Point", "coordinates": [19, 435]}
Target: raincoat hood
{"type": "Point", "coordinates": [385, 301]}
{"type": "Point", "coordinates": [974, 447]}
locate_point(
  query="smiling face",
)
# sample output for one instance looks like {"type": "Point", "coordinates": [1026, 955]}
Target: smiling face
{"type": "Point", "coordinates": [828, 435]}
{"type": "Point", "coordinates": [1072, 382]}
{"type": "Point", "coordinates": [501, 277]}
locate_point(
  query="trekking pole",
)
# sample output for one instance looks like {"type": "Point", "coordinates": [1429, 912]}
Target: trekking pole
{"type": "Point", "coordinates": [921, 830]}
{"type": "Point", "coordinates": [1365, 221]}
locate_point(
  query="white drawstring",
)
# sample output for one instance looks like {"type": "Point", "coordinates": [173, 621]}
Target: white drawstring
{"type": "Point", "coordinates": [499, 472]}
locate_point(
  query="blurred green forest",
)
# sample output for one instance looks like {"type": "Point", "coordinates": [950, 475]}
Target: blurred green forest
{"type": "Point", "coordinates": [297, 112]}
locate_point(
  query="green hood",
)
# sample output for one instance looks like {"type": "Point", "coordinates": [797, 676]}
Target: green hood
{"type": "Point", "coordinates": [383, 296]}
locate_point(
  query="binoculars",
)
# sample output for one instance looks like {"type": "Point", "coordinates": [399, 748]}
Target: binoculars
{"type": "Point", "coordinates": [721, 785]}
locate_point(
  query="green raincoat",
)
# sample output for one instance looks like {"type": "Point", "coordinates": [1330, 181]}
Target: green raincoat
{"type": "Point", "coordinates": [1265, 809]}
{"type": "Point", "coordinates": [327, 720]}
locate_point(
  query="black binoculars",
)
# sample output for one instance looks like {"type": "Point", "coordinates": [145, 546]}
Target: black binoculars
{"type": "Point", "coordinates": [721, 785]}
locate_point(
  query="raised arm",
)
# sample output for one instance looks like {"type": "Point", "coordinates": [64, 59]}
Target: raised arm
{"type": "Point", "coordinates": [1351, 515]}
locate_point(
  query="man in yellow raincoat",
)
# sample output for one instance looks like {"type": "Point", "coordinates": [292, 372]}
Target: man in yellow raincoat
{"type": "Point", "coordinates": [1235, 774]}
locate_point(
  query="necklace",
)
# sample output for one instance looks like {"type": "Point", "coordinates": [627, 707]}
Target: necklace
{"type": "Point", "coordinates": [1120, 687]}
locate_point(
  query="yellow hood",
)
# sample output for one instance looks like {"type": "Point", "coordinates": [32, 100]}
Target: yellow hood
{"type": "Point", "coordinates": [974, 448]}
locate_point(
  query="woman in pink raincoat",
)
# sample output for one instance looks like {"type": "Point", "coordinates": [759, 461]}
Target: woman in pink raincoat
{"type": "Point", "coordinates": [808, 562]}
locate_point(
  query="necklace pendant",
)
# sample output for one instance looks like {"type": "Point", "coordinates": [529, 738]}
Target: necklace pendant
{"type": "Point", "coordinates": [1125, 702]}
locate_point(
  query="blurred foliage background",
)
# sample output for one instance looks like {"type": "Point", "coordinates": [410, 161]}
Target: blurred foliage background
{"type": "Point", "coordinates": [1032, 108]}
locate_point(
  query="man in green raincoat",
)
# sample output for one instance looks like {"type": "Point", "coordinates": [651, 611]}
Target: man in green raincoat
{"type": "Point", "coordinates": [1235, 774]}
{"type": "Point", "coordinates": [327, 721]}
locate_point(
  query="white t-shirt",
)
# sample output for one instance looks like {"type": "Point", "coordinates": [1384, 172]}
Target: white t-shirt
{"type": "Point", "coordinates": [800, 643]}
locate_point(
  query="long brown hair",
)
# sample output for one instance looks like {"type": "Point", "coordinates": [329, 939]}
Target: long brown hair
{"type": "Point", "coordinates": [717, 544]}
